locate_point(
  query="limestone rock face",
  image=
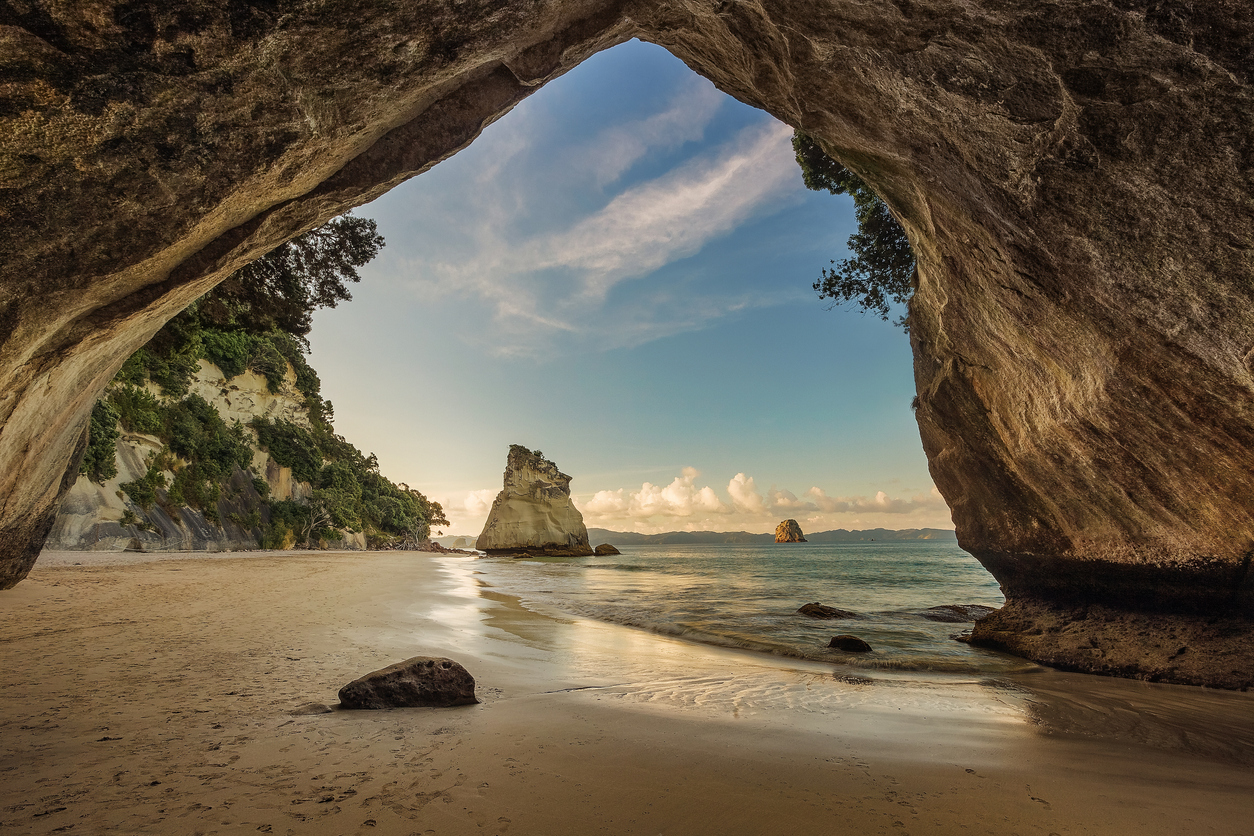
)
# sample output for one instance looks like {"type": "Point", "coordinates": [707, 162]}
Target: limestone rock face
{"type": "Point", "coordinates": [91, 515]}
{"type": "Point", "coordinates": [1074, 178]}
{"type": "Point", "coordinates": [533, 513]}
{"type": "Point", "coordinates": [788, 532]}
{"type": "Point", "coordinates": [420, 681]}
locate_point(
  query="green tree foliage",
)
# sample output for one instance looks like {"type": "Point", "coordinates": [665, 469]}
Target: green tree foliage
{"type": "Point", "coordinates": [881, 272]}
{"type": "Point", "coordinates": [281, 290]}
{"type": "Point", "coordinates": [100, 458]}
{"type": "Point", "coordinates": [257, 320]}
{"type": "Point", "coordinates": [144, 489]}
{"type": "Point", "coordinates": [348, 488]}
{"type": "Point", "coordinates": [137, 408]}
{"type": "Point", "coordinates": [290, 445]}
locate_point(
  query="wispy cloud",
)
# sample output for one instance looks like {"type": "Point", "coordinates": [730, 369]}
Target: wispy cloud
{"type": "Point", "coordinates": [616, 149]}
{"type": "Point", "coordinates": [545, 281]}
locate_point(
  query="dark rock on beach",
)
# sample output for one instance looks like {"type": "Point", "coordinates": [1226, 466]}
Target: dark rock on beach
{"type": "Point", "coordinates": [849, 644]}
{"type": "Point", "coordinates": [605, 549]}
{"type": "Point", "coordinates": [817, 610]}
{"type": "Point", "coordinates": [420, 681]}
{"type": "Point", "coordinates": [957, 613]}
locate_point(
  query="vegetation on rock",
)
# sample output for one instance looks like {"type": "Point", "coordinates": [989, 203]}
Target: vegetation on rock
{"type": "Point", "coordinates": [99, 463]}
{"type": "Point", "coordinates": [257, 320]}
{"type": "Point", "coordinates": [881, 272]}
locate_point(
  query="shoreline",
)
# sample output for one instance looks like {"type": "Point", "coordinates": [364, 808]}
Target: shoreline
{"type": "Point", "coordinates": [186, 672]}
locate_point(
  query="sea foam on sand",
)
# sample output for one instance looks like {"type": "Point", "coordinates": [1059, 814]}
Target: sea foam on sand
{"type": "Point", "coordinates": [172, 697]}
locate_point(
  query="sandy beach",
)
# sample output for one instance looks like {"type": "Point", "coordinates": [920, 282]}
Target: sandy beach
{"type": "Point", "coordinates": [186, 695]}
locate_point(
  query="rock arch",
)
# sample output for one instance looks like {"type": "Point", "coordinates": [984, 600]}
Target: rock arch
{"type": "Point", "coordinates": [1076, 177]}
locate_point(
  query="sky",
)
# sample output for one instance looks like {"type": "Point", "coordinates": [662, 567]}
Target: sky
{"type": "Point", "coordinates": [618, 273]}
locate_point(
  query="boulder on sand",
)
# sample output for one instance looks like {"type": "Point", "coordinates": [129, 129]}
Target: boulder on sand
{"type": "Point", "coordinates": [420, 681]}
{"type": "Point", "coordinates": [817, 610]}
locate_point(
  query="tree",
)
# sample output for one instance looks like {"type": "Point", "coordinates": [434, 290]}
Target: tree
{"type": "Point", "coordinates": [282, 289]}
{"type": "Point", "coordinates": [881, 272]}
{"type": "Point", "coordinates": [100, 458]}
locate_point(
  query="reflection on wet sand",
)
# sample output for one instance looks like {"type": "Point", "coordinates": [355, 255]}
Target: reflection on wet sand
{"type": "Point", "coordinates": [170, 698]}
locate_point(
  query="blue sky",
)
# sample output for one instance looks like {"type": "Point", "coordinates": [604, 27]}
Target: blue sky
{"type": "Point", "coordinates": [618, 273]}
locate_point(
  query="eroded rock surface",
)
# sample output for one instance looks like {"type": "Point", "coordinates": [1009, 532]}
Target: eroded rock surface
{"type": "Point", "coordinates": [957, 613]}
{"type": "Point", "coordinates": [533, 514]}
{"type": "Point", "coordinates": [1075, 178]}
{"type": "Point", "coordinates": [788, 532]}
{"type": "Point", "coordinates": [419, 681]}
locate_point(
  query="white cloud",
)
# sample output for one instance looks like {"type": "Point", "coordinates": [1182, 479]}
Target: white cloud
{"type": "Point", "coordinates": [682, 505]}
{"type": "Point", "coordinates": [681, 498]}
{"type": "Point", "coordinates": [479, 503]}
{"type": "Point", "coordinates": [673, 216]}
{"type": "Point", "coordinates": [744, 495]}
{"type": "Point", "coordinates": [881, 503]}
{"type": "Point", "coordinates": [544, 283]}
{"type": "Point", "coordinates": [618, 148]}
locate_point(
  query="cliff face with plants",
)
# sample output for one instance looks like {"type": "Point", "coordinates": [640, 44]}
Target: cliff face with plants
{"type": "Point", "coordinates": [215, 434]}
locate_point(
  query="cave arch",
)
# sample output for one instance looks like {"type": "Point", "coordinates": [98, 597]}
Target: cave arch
{"type": "Point", "coordinates": [1076, 179]}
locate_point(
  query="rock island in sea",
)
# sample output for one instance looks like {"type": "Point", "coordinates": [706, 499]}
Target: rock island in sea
{"type": "Point", "coordinates": [533, 514]}
{"type": "Point", "coordinates": [789, 532]}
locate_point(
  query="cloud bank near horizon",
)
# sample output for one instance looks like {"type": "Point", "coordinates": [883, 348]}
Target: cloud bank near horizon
{"type": "Point", "coordinates": [683, 505]}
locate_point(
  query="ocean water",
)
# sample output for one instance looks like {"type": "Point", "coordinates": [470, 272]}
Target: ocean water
{"type": "Point", "coordinates": [747, 596]}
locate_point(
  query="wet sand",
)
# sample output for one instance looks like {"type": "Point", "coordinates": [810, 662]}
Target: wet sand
{"type": "Point", "coordinates": [171, 697]}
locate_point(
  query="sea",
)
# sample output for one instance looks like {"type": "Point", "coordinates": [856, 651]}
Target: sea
{"type": "Point", "coordinates": [747, 596]}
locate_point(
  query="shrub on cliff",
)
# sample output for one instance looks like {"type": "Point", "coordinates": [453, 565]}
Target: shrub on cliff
{"type": "Point", "coordinates": [281, 290]}
{"type": "Point", "coordinates": [291, 446]}
{"type": "Point", "coordinates": [881, 272]}
{"type": "Point", "coordinates": [100, 459]}
{"type": "Point", "coordinates": [257, 320]}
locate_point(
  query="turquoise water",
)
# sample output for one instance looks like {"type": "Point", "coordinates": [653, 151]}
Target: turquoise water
{"type": "Point", "coordinates": [747, 596]}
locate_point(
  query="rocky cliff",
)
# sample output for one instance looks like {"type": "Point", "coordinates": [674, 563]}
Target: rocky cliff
{"type": "Point", "coordinates": [789, 532]}
{"type": "Point", "coordinates": [1074, 177]}
{"type": "Point", "coordinates": [102, 516]}
{"type": "Point", "coordinates": [533, 513]}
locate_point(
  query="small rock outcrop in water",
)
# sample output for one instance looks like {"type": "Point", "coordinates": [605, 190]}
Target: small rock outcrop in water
{"type": "Point", "coordinates": [605, 549]}
{"type": "Point", "coordinates": [957, 613]}
{"type": "Point", "coordinates": [817, 610]}
{"type": "Point", "coordinates": [788, 532]}
{"type": "Point", "coordinates": [849, 644]}
{"type": "Point", "coordinates": [533, 514]}
{"type": "Point", "coordinates": [422, 680]}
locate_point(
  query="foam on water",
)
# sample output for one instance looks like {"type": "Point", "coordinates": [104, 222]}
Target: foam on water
{"type": "Point", "coordinates": [746, 596]}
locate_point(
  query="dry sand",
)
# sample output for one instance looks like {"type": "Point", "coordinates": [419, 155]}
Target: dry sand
{"type": "Point", "coordinates": [166, 697]}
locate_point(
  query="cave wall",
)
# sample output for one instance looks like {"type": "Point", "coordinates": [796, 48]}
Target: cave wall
{"type": "Point", "coordinates": [1076, 178]}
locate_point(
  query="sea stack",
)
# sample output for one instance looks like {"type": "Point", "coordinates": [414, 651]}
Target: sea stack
{"type": "Point", "coordinates": [788, 532]}
{"type": "Point", "coordinates": [533, 513]}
